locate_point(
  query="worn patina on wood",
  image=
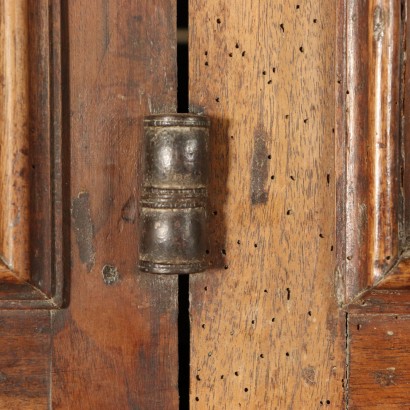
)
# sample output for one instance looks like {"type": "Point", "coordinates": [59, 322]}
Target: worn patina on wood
{"type": "Point", "coordinates": [373, 200]}
{"type": "Point", "coordinates": [115, 346]}
{"type": "Point", "coordinates": [31, 267]}
{"type": "Point", "coordinates": [114, 343]}
{"type": "Point", "coordinates": [266, 329]}
{"type": "Point", "coordinates": [14, 142]}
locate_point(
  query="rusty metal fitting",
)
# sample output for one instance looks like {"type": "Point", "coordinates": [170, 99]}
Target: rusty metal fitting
{"type": "Point", "coordinates": [173, 203]}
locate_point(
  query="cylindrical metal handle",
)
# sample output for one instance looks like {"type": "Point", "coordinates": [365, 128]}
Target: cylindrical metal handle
{"type": "Point", "coordinates": [173, 204]}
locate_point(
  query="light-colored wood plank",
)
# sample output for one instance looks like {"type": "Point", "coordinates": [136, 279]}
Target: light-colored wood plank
{"type": "Point", "coordinates": [266, 331]}
{"type": "Point", "coordinates": [14, 142]}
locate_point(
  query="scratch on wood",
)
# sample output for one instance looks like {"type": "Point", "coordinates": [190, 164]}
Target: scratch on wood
{"type": "Point", "coordinates": [378, 23]}
{"type": "Point", "coordinates": [340, 285]}
{"type": "Point", "coordinates": [259, 177]}
{"type": "Point", "coordinates": [105, 23]}
{"type": "Point", "coordinates": [129, 210]}
{"type": "Point", "coordinates": [84, 229]}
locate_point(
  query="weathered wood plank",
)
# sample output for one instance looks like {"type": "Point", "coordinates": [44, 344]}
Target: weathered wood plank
{"type": "Point", "coordinates": [24, 360]}
{"type": "Point", "coordinates": [30, 149]}
{"type": "Point", "coordinates": [266, 328]}
{"type": "Point", "coordinates": [379, 356]}
{"type": "Point", "coordinates": [405, 170]}
{"type": "Point", "coordinates": [116, 344]}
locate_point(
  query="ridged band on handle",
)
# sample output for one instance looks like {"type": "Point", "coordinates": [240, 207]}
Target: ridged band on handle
{"type": "Point", "coordinates": [173, 203]}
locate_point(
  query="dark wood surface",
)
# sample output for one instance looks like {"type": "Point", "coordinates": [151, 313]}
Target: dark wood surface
{"type": "Point", "coordinates": [377, 194]}
{"type": "Point", "coordinates": [405, 169]}
{"type": "Point", "coordinates": [35, 232]}
{"type": "Point", "coordinates": [370, 85]}
{"type": "Point", "coordinates": [115, 346]}
{"type": "Point", "coordinates": [25, 360]}
{"type": "Point", "coordinates": [381, 301]}
{"type": "Point", "coordinates": [379, 356]}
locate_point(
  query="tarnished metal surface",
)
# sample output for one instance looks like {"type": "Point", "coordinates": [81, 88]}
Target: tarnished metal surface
{"type": "Point", "coordinates": [173, 237]}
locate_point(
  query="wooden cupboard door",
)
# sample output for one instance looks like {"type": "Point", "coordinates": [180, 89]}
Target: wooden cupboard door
{"type": "Point", "coordinates": [307, 302]}
{"type": "Point", "coordinates": [80, 327]}
{"type": "Point", "coordinates": [376, 244]}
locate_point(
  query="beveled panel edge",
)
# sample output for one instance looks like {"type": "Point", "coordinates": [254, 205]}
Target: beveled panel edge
{"type": "Point", "coordinates": [45, 289]}
{"type": "Point", "coordinates": [14, 148]}
{"type": "Point", "coordinates": [390, 295]}
{"type": "Point", "coordinates": [370, 43]}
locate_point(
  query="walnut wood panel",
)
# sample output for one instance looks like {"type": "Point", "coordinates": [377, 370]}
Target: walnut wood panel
{"type": "Point", "coordinates": [372, 113]}
{"type": "Point", "coordinates": [405, 169]}
{"type": "Point", "coordinates": [391, 295]}
{"type": "Point", "coordinates": [383, 133]}
{"type": "Point", "coordinates": [115, 346]}
{"type": "Point", "coordinates": [376, 200]}
{"type": "Point", "coordinates": [24, 360]}
{"type": "Point", "coordinates": [377, 150]}
{"type": "Point", "coordinates": [266, 331]}
{"type": "Point", "coordinates": [375, 301]}
{"type": "Point", "coordinates": [379, 357]}
{"type": "Point", "coordinates": [399, 278]}
{"type": "Point", "coordinates": [14, 141]}
{"type": "Point", "coordinates": [30, 148]}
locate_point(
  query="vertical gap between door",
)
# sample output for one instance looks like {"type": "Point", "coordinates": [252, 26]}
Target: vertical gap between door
{"type": "Point", "coordinates": [182, 54]}
{"type": "Point", "coordinates": [183, 280]}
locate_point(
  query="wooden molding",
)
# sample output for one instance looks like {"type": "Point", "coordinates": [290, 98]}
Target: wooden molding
{"type": "Point", "coordinates": [371, 203]}
{"type": "Point", "coordinates": [14, 141]}
{"type": "Point", "coordinates": [30, 154]}
{"type": "Point", "coordinates": [399, 277]}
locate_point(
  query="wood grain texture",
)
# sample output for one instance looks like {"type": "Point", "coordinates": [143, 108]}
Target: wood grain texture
{"type": "Point", "coordinates": [383, 142]}
{"type": "Point", "coordinates": [379, 356]}
{"type": "Point", "coordinates": [24, 360]}
{"type": "Point", "coordinates": [14, 141]}
{"type": "Point", "coordinates": [116, 345]}
{"type": "Point", "coordinates": [405, 170]}
{"type": "Point", "coordinates": [41, 155]}
{"type": "Point", "coordinates": [376, 301]}
{"type": "Point", "coordinates": [266, 330]}
{"type": "Point", "coordinates": [384, 122]}
{"type": "Point", "coordinates": [399, 277]}
{"type": "Point", "coordinates": [46, 148]}
{"type": "Point", "coordinates": [373, 44]}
